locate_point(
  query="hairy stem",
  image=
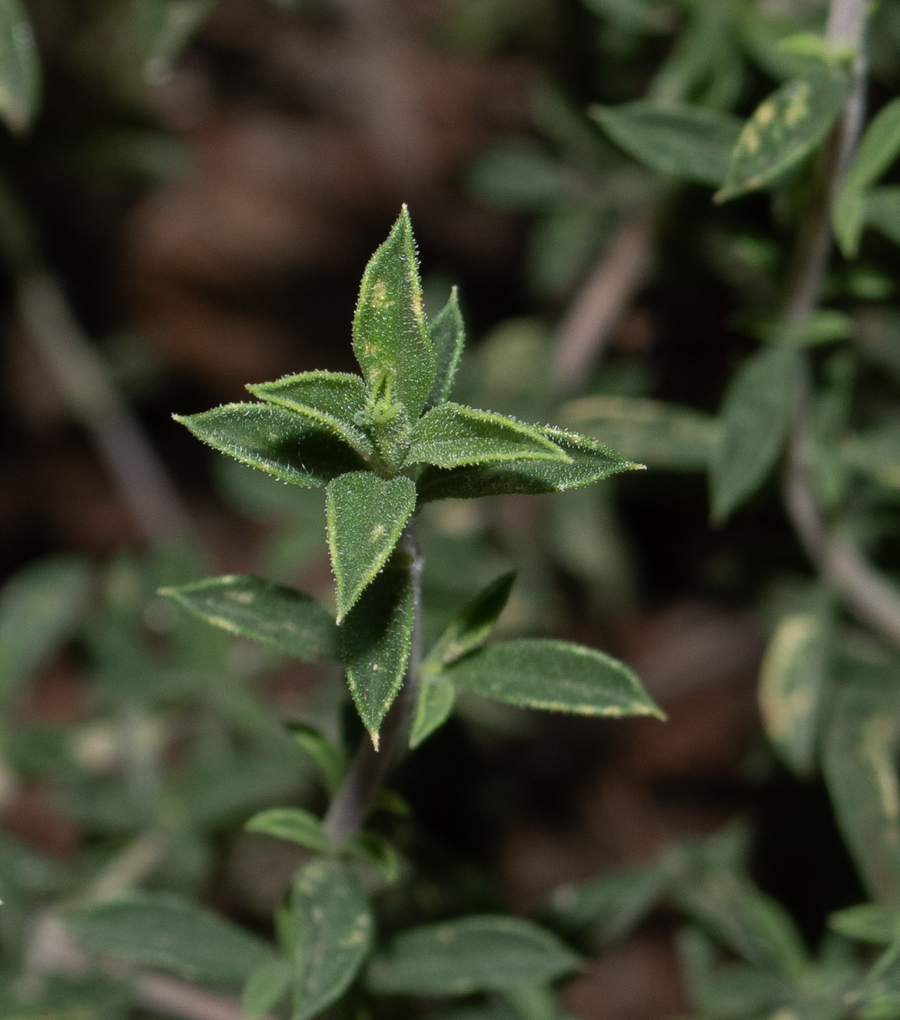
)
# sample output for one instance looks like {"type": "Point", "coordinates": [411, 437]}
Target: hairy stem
{"type": "Point", "coordinates": [353, 800]}
{"type": "Point", "coordinates": [868, 595]}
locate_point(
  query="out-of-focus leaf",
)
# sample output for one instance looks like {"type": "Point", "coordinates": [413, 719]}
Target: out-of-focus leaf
{"type": "Point", "coordinates": [158, 930]}
{"type": "Point", "coordinates": [877, 150]}
{"type": "Point", "coordinates": [648, 431]}
{"type": "Point", "coordinates": [20, 69]}
{"type": "Point", "coordinates": [883, 211]}
{"type": "Point", "coordinates": [784, 129]}
{"type": "Point", "coordinates": [756, 415]}
{"type": "Point", "coordinates": [365, 515]}
{"type": "Point", "coordinates": [848, 219]}
{"type": "Point", "coordinates": [448, 338]}
{"type": "Point", "coordinates": [39, 608]}
{"type": "Point", "coordinates": [470, 954]}
{"type": "Point", "coordinates": [691, 142]}
{"type": "Point", "coordinates": [521, 175]}
{"type": "Point", "coordinates": [265, 988]}
{"type": "Point", "coordinates": [374, 848]}
{"type": "Point", "coordinates": [163, 28]}
{"type": "Point", "coordinates": [555, 676]}
{"type": "Point", "coordinates": [253, 608]}
{"type": "Point", "coordinates": [333, 926]}
{"type": "Point", "coordinates": [293, 824]}
{"type": "Point", "coordinates": [390, 336]}
{"type": "Point", "coordinates": [869, 922]}
{"type": "Point", "coordinates": [276, 441]}
{"type": "Point", "coordinates": [641, 16]}
{"type": "Point", "coordinates": [472, 626]}
{"type": "Point", "coordinates": [330, 759]}
{"type": "Point", "coordinates": [613, 904]}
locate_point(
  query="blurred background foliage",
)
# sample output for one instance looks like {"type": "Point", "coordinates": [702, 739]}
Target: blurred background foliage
{"type": "Point", "coordinates": [189, 190]}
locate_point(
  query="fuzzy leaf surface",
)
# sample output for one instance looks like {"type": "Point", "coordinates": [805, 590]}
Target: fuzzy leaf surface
{"type": "Point", "coordinates": [20, 69]}
{"type": "Point", "coordinates": [591, 462]}
{"type": "Point", "coordinates": [159, 930]}
{"type": "Point", "coordinates": [366, 516]}
{"type": "Point", "coordinates": [448, 337]}
{"type": "Point", "coordinates": [756, 415]}
{"type": "Point", "coordinates": [784, 129]}
{"type": "Point", "coordinates": [265, 988]}
{"type": "Point", "coordinates": [555, 676]}
{"type": "Point", "coordinates": [691, 142]}
{"type": "Point", "coordinates": [472, 954]}
{"type": "Point", "coordinates": [435, 702]}
{"type": "Point", "coordinates": [473, 624]}
{"type": "Point", "coordinates": [376, 640]}
{"type": "Point", "coordinates": [332, 935]}
{"type": "Point", "coordinates": [256, 609]}
{"type": "Point", "coordinates": [451, 436]}
{"type": "Point", "coordinates": [390, 336]}
{"type": "Point", "coordinates": [275, 440]}
{"type": "Point", "coordinates": [292, 824]}
{"type": "Point", "coordinates": [333, 400]}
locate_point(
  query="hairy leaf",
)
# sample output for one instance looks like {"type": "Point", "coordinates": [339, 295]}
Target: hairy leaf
{"type": "Point", "coordinates": [390, 336]}
{"type": "Point", "coordinates": [472, 626]}
{"type": "Point", "coordinates": [756, 415]}
{"type": "Point", "coordinates": [448, 337]}
{"type": "Point", "coordinates": [435, 702]}
{"type": "Point", "coordinates": [265, 988]}
{"type": "Point", "coordinates": [376, 640]}
{"type": "Point", "coordinates": [20, 69]}
{"type": "Point", "coordinates": [330, 759]}
{"type": "Point", "coordinates": [590, 462]}
{"type": "Point", "coordinates": [333, 400]}
{"type": "Point", "coordinates": [332, 934]}
{"type": "Point", "coordinates": [253, 608]}
{"type": "Point", "coordinates": [869, 922]}
{"type": "Point", "coordinates": [692, 142]}
{"type": "Point", "coordinates": [452, 436]}
{"type": "Point", "coordinates": [366, 516]}
{"type": "Point", "coordinates": [555, 676]}
{"type": "Point", "coordinates": [471, 954]}
{"type": "Point", "coordinates": [293, 824]}
{"type": "Point", "coordinates": [159, 930]}
{"type": "Point", "coordinates": [276, 441]}
{"type": "Point", "coordinates": [784, 129]}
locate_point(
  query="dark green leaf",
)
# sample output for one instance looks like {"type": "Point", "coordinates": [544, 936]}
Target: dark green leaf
{"type": "Point", "coordinates": [39, 608]}
{"type": "Point", "coordinates": [332, 934]}
{"type": "Point", "coordinates": [276, 441]}
{"type": "Point", "coordinates": [376, 640]}
{"type": "Point", "coordinates": [471, 954]}
{"type": "Point", "coordinates": [374, 848]}
{"type": "Point", "coordinates": [877, 150]}
{"type": "Point", "coordinates": [614, 903]}
{"type": "Point", "coordinates": [848, 219]}
{"type": "Point", "coordinates": [883, 211]}
{"type": "Point", "coordinates": [448, 337]}
{"type": "Point", "coordinates": [20, 70]}
{"type": "Point", "coordinates": [784, 129]}
{"type": "Point", "coordinates": [158, 930]}
{"type": "Point", "coordinates": [472, 626]}
{"type": "Point", "coordinates": [453, 436]}
{"type": "Point", "coordinates": [756, 415]}
{"type": "Point", "coordinates": [520, 174]}
{"type": "Point", "coordinates": [435, 702]}
{"type": "Point", "coordinates": [265, 988]}
{"type": "Point", "coordinates": [293, 824]}
{"type": "Point", "coordinates": [390, 337]}
{"type": "Point", "coordinates": [253, 608]}
{"type": "Point", "coordinates": [331, 759]}
{"type": "Point", "coordinates": [164, 27]}
{"type": "Point", "coordinates": [332, 400]}
{"type": "Point", "coordinates": [366, 516]}
{"type": "Point", "coordinates": [869, 922]}
{"type": "Point", "coordinates": [691, 142]}
{"type": "Point", "coordinates": [591, 462]}
{"type": "Point", "coordinates": [555, 676]}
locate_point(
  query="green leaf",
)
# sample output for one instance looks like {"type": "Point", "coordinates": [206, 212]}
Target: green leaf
{"type": "Point", "coordinates": [366, 516]}
{"type": "Point", "coordinates": [376, 640]}
{"type": "Point", "coordinates": [330, 759]}
{"type": "Point", "coordinates": [20, 69]}
{"type": "Point", "coordinates": [534, 1001]}
{"type": "Point", "coordinates": [333, 935]}
{"type": "Point", "coordinates": [555, 676]}
{"type": "Point", "coordinates": [472, 626]}
{"type": "Point", "coordinates": [374, 848]}
{"type": "Point", "coordinates": [691, 142]}
{"type": "Point", "coordinates": [793, 682]}
{"type": "Point", "coordinates": [848, 219]}
{"type": "Point", "coordinates": [265, 988]}
{"type": "Point", "coordinates": [784, 129]}
{"type": "Point", "coordinates": [614, 903]}
{"type": "Point", "coordinates": [390, 337]}
{"type": "Point", "coordinates": [159, 930]}
{"type": "Point", "coordinates": [877, 150]}
{"type": "Point", "coordinates": [448, 337]}
{"type": "Point", "coordinates": [253, 608]}
{"type": "Point", "coordinates": [648, 431]}
{"type": "Point", "coordinates": [471, 954]}
{"type": "Point", "coordinates": [293, 824]}
{"type": "Point", "coordinates": [332, 400]}
{"type": "Point", "coordinates": [883, 211]}
{"type": "Point", "coordinates": [520, 174]}
{"type": "Point", "coordinates": [869, 922]}
{"type": "Point", "coordinates": [451, 436]}
{"type": "Point", "coordinates": [756, 415]}
{"type": "Point", "coordinates": [434, 705]}
{"type": "Point", "coordinates": [164, 27]}
{"type": "Point", "coordinates": [39, 608]}
{"type": "Point", "coordinates": [590, 462]}
{"type": "Point", "coordinates": [276, 441]}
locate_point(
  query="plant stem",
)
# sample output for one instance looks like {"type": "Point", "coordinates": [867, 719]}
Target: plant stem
{"type": "Point", "coordinates": [353, 800]}
{"type": "Point", "coordinates": [868, 595]}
